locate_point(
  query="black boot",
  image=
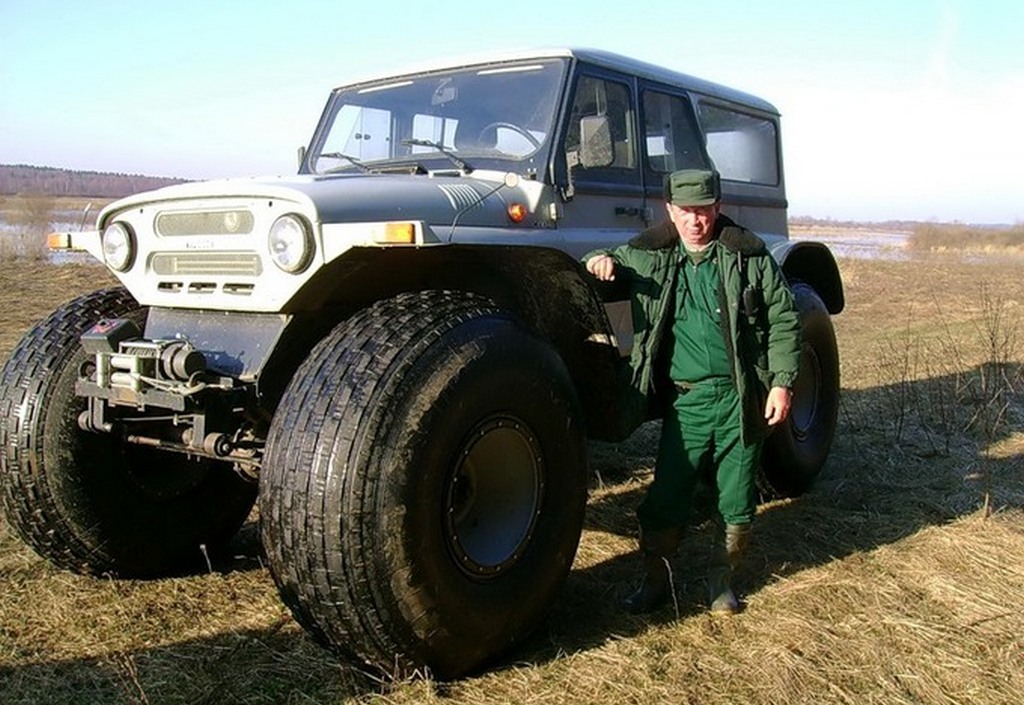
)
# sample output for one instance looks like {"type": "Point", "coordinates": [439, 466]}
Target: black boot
{"type": "Point", "coordinates": [730, 542]}
{"type": "Point", "coordinates": [657, 548]}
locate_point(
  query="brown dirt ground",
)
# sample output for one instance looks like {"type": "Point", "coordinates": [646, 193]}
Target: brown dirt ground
{"type": "Point", "coordinates": [897, 579]}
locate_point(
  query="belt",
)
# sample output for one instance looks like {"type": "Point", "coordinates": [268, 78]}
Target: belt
{"type": "Point", "coordinates": [713, 382]}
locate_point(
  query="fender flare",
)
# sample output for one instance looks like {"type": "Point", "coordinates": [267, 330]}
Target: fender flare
{"type": "Point", "coordinates": [814, 264]}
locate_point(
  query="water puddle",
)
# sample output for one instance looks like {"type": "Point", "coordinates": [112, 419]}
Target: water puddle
{"type": "Point", "coordinates": [860, 244]}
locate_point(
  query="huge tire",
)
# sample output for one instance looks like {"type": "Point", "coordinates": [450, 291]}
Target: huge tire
{"type": "Point", "coordinates": [424, 484]}
{"type": "Point", "coordinates": [86, 501]}
{"type": "Point", "coordinates": [796, 450]}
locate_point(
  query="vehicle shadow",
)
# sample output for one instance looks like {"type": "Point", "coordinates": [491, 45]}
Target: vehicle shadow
{"type": "Point", "coordinates": [276, 665]}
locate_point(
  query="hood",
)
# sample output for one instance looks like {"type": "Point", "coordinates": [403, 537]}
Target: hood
{"type": "Point", "coordinates": [479, 199]}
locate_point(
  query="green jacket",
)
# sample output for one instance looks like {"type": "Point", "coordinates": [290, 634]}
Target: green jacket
{"type": "Point", "coordinates": [763, 332]}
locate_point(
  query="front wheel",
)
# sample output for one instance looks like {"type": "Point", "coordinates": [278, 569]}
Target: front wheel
{"type": "Point", "coordinates": [796, 450]}
{"type": "Point", "coordinates": [424, 484]}
{"type": "Point", "coordinates": [88, 501]}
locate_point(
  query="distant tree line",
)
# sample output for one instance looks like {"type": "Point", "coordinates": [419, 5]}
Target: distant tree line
{"type": "Point", "coordinates": [807, 221]}
{"type": "Point", "coordinates": [49, 181]}
{"type": "Point", "coordinates": [908, 226]}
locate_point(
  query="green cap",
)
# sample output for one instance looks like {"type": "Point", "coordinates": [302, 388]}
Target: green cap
{"type": "Point", "coordinates": [693, 187]}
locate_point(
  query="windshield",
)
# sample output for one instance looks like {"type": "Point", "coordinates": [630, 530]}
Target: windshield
{"type": "Point", "coordinates": [492, 117]}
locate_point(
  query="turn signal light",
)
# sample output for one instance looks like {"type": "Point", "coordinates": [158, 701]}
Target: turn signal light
{"type": "Point", "coordinates": [398, 233]}
{"type": "Point", "coordinates": [58, 241]}
{"type": "Point", "coordinates": [516, 212]}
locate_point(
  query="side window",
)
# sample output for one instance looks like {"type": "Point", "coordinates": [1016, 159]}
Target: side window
{"type": "Point", "coordinates": [743, 147]}
{"type": "Point", "coordinates": [670, 134]}
{"type": "Point", "coordinates": [602, 115]}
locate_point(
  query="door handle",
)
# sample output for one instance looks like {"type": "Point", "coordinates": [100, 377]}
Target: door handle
{"type": "Point", "coordinates": [634, 212]}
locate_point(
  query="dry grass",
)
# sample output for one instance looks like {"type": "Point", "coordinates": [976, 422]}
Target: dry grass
{"type": "Point", "coordinates": [946, 237]}
{"type": "Point", "coordinates": [898, 579]}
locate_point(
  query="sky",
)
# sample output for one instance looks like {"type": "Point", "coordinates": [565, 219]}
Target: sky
{"type": "Point", "coordinates": [890, 110]}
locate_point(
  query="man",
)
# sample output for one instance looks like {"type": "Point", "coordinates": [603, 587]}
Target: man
{"type": "Point", "coordinates": [716, 335]}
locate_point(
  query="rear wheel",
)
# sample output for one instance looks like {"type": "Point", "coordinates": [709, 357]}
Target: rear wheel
{"type": "Point", "coordinates": [424, 484]}
{"type": "Point", "coordinates": [796, 450]}
{"type": "Point", "coordinates": [87, 501]}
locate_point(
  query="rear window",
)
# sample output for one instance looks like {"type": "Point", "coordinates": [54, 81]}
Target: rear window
{"type": "Point", "coordinates": [743, 147]}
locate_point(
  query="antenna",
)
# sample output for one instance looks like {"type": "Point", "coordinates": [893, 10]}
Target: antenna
{"type": "Point", "coordinates": [85, 214]}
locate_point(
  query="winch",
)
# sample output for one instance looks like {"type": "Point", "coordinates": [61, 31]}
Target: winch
{"type": "Point", "coordinates": [126, 369]}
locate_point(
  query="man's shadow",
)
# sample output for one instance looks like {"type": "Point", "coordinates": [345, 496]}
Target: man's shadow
{"type": "Point", "coordinates": [880, 484]}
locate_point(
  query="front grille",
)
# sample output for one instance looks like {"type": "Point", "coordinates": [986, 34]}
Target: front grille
{"type": "Point", "coordinates": [228, 264]}
{"type": "Point", "coordinates": [223, 222]}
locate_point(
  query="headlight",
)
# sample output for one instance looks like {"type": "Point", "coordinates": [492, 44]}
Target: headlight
{"type": "Point", "coordinates": [118, 247]}
{"type": "Point", "coordinates": [291, 244]}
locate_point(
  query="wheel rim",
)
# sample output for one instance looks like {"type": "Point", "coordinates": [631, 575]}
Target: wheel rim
{"type": "Point", "coordinates": [493, 497]}
{"type": "Point", "coordinates": [806, 392]}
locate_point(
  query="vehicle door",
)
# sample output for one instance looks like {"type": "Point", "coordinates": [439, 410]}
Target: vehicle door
{"type": "Point", "coordinates": [671, 140]}
{"type": "Point", "coordinates": [598, 165]}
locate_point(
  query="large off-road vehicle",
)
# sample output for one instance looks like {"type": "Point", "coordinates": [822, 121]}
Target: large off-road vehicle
{"type": "Point", "coordinates": [396, 349]}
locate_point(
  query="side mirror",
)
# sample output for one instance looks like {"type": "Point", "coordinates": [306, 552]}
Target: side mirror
{"type": "Point", "coordinates": [302, 157]}
{"type": "Point", "coordinates": [596, 142]}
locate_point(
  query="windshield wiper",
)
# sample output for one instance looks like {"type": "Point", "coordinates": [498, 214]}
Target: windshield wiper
{"type": "Point", "coordinates": [461, 164]}
{"type": "Point", "coordinates": [355, 162]}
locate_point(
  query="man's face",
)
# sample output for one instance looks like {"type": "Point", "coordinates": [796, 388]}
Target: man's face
{"type": "Point", "coordinates": [695, 224]}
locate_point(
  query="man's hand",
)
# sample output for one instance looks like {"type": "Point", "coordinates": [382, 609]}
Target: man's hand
{"type": "Point", "coordinates": [777, 408]}
{"type": "Point", "coordinates": [602, 267]}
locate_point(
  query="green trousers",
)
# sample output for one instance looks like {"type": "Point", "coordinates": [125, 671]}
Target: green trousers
{"type": "Point", "coordinates": [700, 436]}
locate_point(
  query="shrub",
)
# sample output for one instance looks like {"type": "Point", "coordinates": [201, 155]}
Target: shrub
{"type": "Point", "coordinates": [931, 237]}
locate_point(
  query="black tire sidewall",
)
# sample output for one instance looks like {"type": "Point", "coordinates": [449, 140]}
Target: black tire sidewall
{"type": "Point", "coordinates": [489, 368]}
{"type": "Point", "coordinates": [355, 482]}
{"type": "Point", "coordinates": [134, 526]}
{"type": "Point", "coordinates": [792, 458]}
{"type": "Point", "coordinates": [85, 510]}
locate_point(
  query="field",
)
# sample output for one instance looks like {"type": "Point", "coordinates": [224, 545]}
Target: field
{"type": "Point", "coordinates": [898, 579]}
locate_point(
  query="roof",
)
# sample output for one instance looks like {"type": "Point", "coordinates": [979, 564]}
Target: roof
{"type": "Point", "coordinates": [599, 57]}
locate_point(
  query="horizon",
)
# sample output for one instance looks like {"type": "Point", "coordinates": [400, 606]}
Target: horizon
{"type": "Point", "coordinates": [792, 218]}
{"type": "Point", "coordinates": [880, 121]}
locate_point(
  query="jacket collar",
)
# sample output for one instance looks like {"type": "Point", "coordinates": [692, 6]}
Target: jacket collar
{"type": "Point", "coordinates": [731, 236]}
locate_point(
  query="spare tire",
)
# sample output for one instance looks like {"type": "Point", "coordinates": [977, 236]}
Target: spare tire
{"type": "Point", "coordinates": [424, 484]}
